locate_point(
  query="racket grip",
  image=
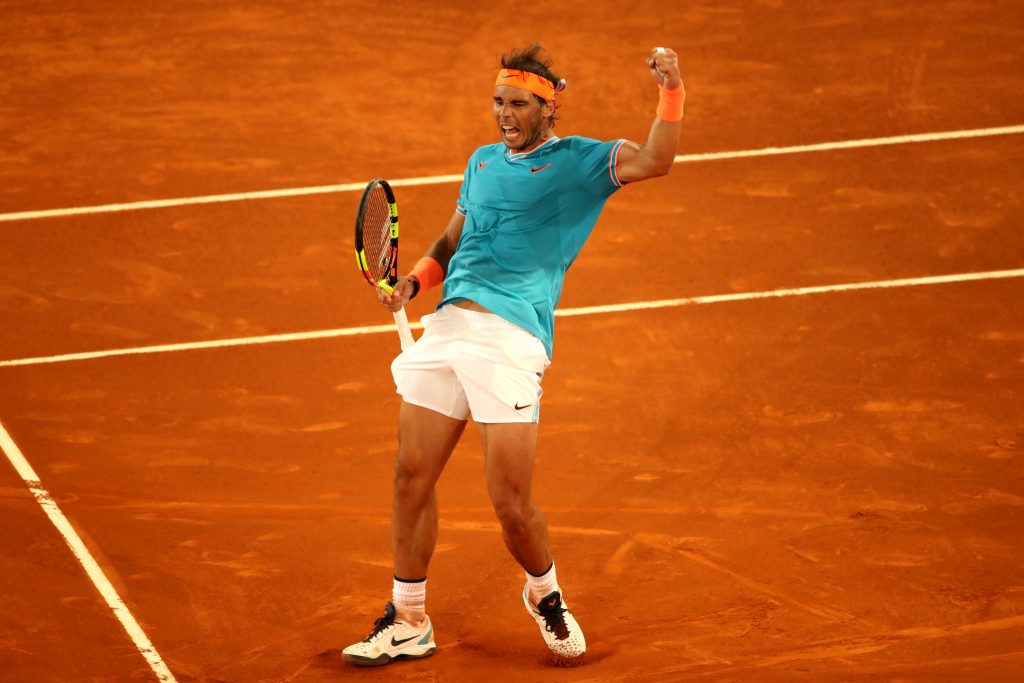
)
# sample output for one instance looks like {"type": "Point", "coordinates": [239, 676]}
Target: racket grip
{"type": "Point", "coordinates": [404, 333]}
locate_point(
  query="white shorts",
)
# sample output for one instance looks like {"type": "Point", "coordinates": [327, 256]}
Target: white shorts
{"type": "Point", "coordinates": [473, 363]}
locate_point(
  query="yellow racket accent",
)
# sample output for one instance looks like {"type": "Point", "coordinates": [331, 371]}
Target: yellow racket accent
{"type": "Point", "coordinates": [383, 270]}
{"type": "Point", "coordinates": [393, 210]}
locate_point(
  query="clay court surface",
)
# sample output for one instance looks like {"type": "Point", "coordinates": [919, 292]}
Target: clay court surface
{"type": "Point", "coordinates": [823, 485]}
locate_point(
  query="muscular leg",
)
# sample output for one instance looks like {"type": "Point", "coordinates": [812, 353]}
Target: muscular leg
{"type": "Point", "coordinates": [509, 451]}
{"type": "Point", "coordinates": [426, 439]}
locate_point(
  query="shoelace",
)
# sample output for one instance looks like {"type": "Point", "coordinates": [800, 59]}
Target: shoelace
{"type": "Point", "coordinates": [381, 625]}
{"type": "Point", "coordinates": [554, 619]}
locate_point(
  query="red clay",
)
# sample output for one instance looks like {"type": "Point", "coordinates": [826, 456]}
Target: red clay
{"type": "Point", "coordinates": [825, 488]}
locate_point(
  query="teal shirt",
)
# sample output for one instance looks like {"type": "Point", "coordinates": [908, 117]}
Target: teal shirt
{"type": "Point", "coordinates": [527, 218]}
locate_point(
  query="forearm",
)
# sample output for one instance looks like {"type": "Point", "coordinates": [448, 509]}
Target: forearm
{"type": "Point", "coordinates": [431, 269]}
{"type": "Point", "coordinates": [659, 152]}
{"type": "Point", "coordinates": [442, 250]}
{"type": "Point", "coordinates": [656, 156]}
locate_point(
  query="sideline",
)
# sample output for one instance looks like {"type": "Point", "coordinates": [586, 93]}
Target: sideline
{"type": "Point", "coordinates": [84, 557]}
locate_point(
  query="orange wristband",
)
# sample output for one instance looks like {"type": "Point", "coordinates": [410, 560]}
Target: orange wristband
{"type": "Point", "coordinates": [428, 273]}
{"type": "Point", "coordinates": [670, 103]}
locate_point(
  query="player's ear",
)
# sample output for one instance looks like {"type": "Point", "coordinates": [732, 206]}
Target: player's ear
{"type": "Point", "coordinates": [548, 109]}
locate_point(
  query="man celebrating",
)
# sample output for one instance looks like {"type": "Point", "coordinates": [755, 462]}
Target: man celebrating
{"type": "Point", "coordinates": [526, 207]}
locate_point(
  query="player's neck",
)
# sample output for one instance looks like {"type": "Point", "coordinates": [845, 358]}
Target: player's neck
{"type": "Point", "coordinates": [544, 137]}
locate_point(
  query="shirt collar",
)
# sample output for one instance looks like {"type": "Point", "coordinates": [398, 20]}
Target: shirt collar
{"type": "Point", "coordinates": [523, 155]}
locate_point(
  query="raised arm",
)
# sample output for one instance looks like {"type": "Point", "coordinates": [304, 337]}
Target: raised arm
{"type": "Point", "coordinates": [654, 158]}
{"type": "Point", "coordinates": [440, 251]}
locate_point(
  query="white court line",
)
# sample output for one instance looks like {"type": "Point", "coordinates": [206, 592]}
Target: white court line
{"type": "Point", "coordinates": [562, 313]}
{"type": "Point", "coordinates": [84, 557]}
{"type": "Point", "coordinates": [454, 178]}
{"type": "Point", "coordinates": [796, 291]}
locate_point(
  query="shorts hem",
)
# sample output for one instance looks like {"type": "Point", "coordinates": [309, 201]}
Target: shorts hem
{"type": "Point", "coordinates": [423, 404]}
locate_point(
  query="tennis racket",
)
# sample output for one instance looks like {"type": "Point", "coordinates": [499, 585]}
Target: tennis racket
{"type": "Point", "coordinates": [377, 245]}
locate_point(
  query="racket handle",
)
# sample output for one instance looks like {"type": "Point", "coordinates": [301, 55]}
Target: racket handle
{"type": "Point", "coordinates": [404, 333]}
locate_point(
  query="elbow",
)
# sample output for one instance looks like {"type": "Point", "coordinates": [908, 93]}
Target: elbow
{"type": "Point", "coordinates": [660, 164]}
{"type": "Point", "coordinates": [661, 168]}
{"type": "Point", "coordinates": [648, 166]}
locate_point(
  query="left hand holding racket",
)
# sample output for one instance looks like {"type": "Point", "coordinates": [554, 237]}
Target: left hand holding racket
{"type": "Point", "coordinates": [377, 252]}
{"type": "Point", "coordinates": [398, 297]}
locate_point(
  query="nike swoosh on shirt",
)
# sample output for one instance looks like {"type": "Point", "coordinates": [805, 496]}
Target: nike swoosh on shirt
{"type": "Point", "coordinates": [537, 169]}
{"type": "Point", "coordinates": [519, 407]}
{"type": "Point", "coordinates": [481, 164]}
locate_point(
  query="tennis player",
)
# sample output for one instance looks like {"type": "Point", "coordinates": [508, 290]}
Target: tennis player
{"type": "Point", "coordinates": [526, 207]}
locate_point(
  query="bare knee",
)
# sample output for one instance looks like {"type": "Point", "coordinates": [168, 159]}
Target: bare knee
{"type": "Point", "coordinates": [514, 514]}
{"type": "Point", "coordinates": [411, 485]}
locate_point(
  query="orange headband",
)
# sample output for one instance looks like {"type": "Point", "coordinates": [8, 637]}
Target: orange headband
{"type": "Point", "coordinates": [529, 81]}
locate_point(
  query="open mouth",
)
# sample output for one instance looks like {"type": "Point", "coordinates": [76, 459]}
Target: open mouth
{"type": "Point", "coordinates": [510, 133]}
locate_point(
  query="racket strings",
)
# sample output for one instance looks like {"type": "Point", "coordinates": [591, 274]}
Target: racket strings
{"type": "Point", "coordinates": [377, 235]}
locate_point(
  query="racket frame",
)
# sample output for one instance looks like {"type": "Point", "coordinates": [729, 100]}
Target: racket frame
{"type": "Point", "coordinates": [387, 283]}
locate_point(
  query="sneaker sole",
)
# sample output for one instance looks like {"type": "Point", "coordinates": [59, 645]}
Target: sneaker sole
{"type": "Point", "coordinates": [384, 658]}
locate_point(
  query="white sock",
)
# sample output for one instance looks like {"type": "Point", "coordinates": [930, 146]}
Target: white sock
{"type": "Point", "coordinates": [543, 584]}
{"type": "Point", "coordinates": [410, 597]}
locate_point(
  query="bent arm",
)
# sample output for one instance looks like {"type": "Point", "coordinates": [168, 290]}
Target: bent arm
{"type": "Point", "coordinates": [441, 251]}
{"type": "Point", "coordinates": [444, 247]}
{"type": "Point", "coordinates": [655, 157]}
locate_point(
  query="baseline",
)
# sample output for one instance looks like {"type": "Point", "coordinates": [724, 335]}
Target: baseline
{"type": "Point", "coordinates": [454, 178]}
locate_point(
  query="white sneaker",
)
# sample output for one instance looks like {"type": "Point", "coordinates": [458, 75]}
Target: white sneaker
{"type": "Point", "coordinates": [390, 640]}
{"type": "Point", "coordinates": [557, 625]}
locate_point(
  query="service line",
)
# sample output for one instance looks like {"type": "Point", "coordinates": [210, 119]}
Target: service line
{"type": "Point", "coordinates": [84, 557]}
{"type": "Point", "coordinates": [454, 178]}
{"type": "Point", "coordinates": [562, 313]}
